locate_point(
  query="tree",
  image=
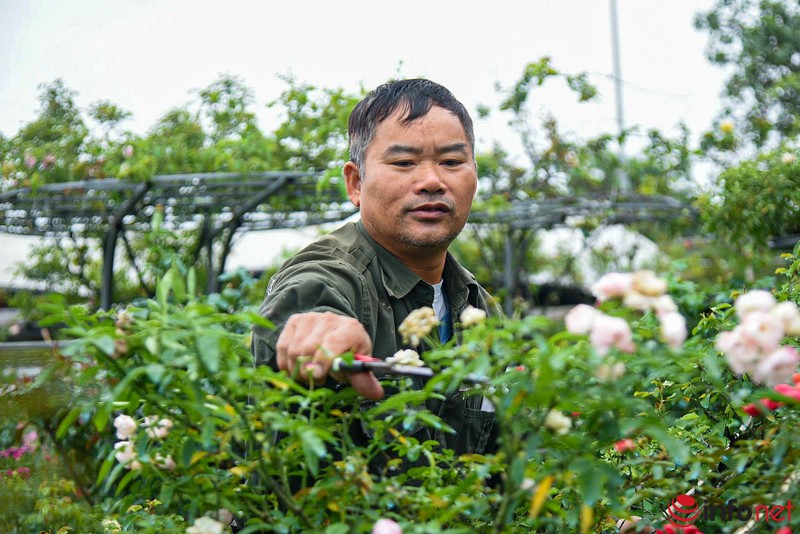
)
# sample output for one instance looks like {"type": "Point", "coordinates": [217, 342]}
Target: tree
{"type": "Point", "coordinates": [216, 132]}
{"type": "Point", "coordinates": [558, 168]}
{"type": "Point", "coordinates": [759, 42]}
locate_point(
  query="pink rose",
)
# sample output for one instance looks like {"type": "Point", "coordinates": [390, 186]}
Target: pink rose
{"type": "Point", "coordinates": [742, 354]}
{"type": "Point", "coordinates": [48, 161]}
{"type": "Point", "coordinates": [788, 391]}
{"type": "Point", "coordinates": [30, 440]}
{"type": "Point", "coordinates": [673, 329]}
{"type": "Point", "coordinates": [386, 526]}
{"type": "Point", "coordinates": [580, 318]}
{"type": "Point", "coordinates": [608, 332]}
{"type": "Point", "coordinates": [612, 285]}
{"type": "Point", "coordinates": [625, 445]}
{"type": "Point", "coordinates": [664, 304]}
{"type": "Point", "coordinates": [762, 329]}
{"type": "Point", "coordinates": [778, 367]}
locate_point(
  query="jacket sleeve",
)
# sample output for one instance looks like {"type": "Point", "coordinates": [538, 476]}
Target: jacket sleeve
{"type": "Point", "coordinates": [330, 285]}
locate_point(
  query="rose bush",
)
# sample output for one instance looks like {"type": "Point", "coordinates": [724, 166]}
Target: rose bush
{"type": "Point", "coordinates": [165, 426]}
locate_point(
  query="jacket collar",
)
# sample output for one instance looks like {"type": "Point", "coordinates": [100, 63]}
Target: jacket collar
{"type": "Point", "coordinates": [399, 280]}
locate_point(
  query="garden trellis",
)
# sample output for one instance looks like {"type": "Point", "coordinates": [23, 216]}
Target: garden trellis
{"type": "Point", "coordinates": [547, 214]}
{"type": "Point", "coordinates": [218, 204]}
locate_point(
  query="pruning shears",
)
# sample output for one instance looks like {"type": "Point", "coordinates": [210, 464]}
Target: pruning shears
{"type": "Point", "coordinates": [362, 363]}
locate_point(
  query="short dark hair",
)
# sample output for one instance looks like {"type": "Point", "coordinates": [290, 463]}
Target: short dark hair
{"type": "Point", "coordinates": [415, 97]}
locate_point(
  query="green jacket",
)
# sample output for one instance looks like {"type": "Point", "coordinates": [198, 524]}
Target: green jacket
{"type": "Point", "coordinates": [348, 273]}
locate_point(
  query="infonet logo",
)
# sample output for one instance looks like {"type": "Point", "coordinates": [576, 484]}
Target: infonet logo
{"type": "Point", "coordinates": [684, 510]}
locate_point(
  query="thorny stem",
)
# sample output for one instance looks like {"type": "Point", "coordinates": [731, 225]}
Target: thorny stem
{"type": "Point", "coordinates": [274, 485]}
{"type": "Point", "coordinates": [70, 468]}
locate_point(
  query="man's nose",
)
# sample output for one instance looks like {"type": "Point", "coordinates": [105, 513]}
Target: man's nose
{"type": "Point", "coordinates": [429, 180]}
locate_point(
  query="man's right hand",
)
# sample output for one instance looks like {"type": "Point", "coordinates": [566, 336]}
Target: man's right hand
{"type": "Point", "coordinates": [315, 338]}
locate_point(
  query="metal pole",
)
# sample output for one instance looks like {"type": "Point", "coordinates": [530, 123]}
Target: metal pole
{"type": "Point", "coordinates": [110, 243]}
{"type": "Point", "coordinates": [508, 272]}
{"type": "Point", "coordinates": [622, 178]}
{"type": "Point", "coordinates": [617, 67]}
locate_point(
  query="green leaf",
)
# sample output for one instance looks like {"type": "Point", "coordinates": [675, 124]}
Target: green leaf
{"type": "Point", "coordinates": [590, 480]}
{"type": "Point", "coordinates": [208, 350]}
{"type": "Point", "coordinates": [313, 449]}
{"type": "Point", "coordinates": [338, 528]}
{"type": "Point", "coordinates": [104, 343]}
{"type": "Point", "coordinates": [191, 283]}
{"type": "Point", "coordinates": [678, 450]}
{"type": "Point", "coordinates": [151, 344]}
{"type": "Point", "coordinates": [178, 285]}
{"type": "Point", "coordinates": [166, 494]}
{"type": "Point", "coordinates": [162, 289]}
{"type": "Point", "coordinates": [155, 371]}
{"type": "Point", "coordinates": [123, 483]}
{"type": "Point", "coordinates": [104, 469]}
{"type": "Point", "coordinates": [71, 417]}
{"type": "Point", "coordinates": [101, 416]}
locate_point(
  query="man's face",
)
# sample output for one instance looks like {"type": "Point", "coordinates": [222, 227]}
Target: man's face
{"type": "Point", "coordinates": [419, 182]}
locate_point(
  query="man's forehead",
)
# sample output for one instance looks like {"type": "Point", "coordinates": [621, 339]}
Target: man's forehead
{"type": "Point", "coordinates": [399, 118]}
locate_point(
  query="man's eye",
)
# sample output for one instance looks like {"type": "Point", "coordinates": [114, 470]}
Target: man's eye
{"type": "Point", "coordinates": [452, 162]}
{"type": "Point", "coordinates": [402, 163]}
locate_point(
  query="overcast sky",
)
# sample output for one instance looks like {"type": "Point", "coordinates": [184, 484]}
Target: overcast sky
{"type": "Point", "coordinates": [147, 56]}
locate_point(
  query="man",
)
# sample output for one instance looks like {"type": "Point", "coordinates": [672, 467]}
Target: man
{"type": "Point", "coordinates": [413, 176]}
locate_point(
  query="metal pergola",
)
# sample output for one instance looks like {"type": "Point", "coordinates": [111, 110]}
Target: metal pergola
{"type": "Point", "coordinates": [546, 214]}
{"type": "Point", "coordinates": [219, 204]}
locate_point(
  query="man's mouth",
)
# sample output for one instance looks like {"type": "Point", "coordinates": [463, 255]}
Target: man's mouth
{"type": "Point", "coordinates": [431, 208]}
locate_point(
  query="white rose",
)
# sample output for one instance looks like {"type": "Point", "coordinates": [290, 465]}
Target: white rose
{"type": "Point", "coordinates": [557, 422]}
{"type": "Point", "coordinates": [165, 462]}
{"type": "Point", "coordinates": [609, 373]}
{"type": "Point", "coordinates": [125, 452]}
{"type": "Point", "coordinates": [386, 526]}
{"type": "Point", "coordinates": [638, 301]}
{"type": "Point", "coordinates": [788, 158]}
{"type": "Point", "coordinates": [788, 314]}
{"type": "Point", "coordinates": [225, 516]}
{"type": "Point", "coordinates": [472, 316]}
{"type": "Point", "coordinates": [647, 283]}
{"type": "Point", "coordinates": [126, 426]}
{"type": "Point", "coordinates": [159, 430]}
{"type": "Point", "coordinates": [206, 525]}
{"type": "Point", "coordinates": [417, 325]}
{"type": "Point", "coordinates": [755, 300]}
{"type": "Point", "coordinates": [405, 357]}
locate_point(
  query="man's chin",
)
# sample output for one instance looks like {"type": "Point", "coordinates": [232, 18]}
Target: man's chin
{"type": "Point", "coordinates": [428, 240]}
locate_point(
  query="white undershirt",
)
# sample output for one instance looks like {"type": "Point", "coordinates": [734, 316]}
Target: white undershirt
{"type": "Point", "coordinates": [440, 308]}
{"type": "Point", "coordinates": [439, 302]}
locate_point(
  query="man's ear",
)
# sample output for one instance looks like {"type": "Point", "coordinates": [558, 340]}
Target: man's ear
{"type": "Point", "coordinates": [352, 182]}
